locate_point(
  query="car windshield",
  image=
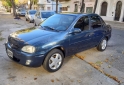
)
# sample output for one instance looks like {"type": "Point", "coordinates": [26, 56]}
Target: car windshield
{"type": "Point", "coordinates": [32, 12]}
{"type": "Point", "coordinates": [58, 22]}
{"type": "Point", "coordinates": [21, 10]}
{"type": "Point", "coordinates": [47, 14]}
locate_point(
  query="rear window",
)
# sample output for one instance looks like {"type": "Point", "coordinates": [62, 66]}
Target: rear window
{"type": "Point", "coordinates": [47, 14]}
{"type": "Point", "coordinates": [32, 12]}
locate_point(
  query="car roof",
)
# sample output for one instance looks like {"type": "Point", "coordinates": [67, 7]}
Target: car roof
{"type": "Point", "coordinates": [45, 11]}
{"type": "Point", "coordinates": [32, 10]}
{"type": "Point", "coordinates": [79, 14]}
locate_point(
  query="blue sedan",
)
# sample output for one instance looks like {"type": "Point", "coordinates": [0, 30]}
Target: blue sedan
{"type": "Point", "coordinates": [58, 36]}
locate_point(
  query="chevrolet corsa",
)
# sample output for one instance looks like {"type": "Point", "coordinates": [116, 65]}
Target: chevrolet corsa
{"type": "Point", "coordinates": [58, 36]}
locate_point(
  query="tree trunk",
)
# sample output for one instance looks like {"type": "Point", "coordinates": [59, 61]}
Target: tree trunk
{"type": "Point", "coordinates": [56, 6]}
{"type": "Point", "coordinates": [30, 4]}
{"type": "Point", "coordinates": [95, 6]}
{"type": "Point", "coordinates": [82, 7]}
{"type": "Point", "coordinates": [14, 7]}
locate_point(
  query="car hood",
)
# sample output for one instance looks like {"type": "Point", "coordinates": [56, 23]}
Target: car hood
{"type": "Point", "coordinates": [33, 35]}
{"type": "Point", "coordinates": [43, 19]}
{"type": "Point", "coordinates": [31, 16]}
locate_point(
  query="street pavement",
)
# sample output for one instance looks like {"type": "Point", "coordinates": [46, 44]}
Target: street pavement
{"type": "Point", "coordinates": [75, 70]}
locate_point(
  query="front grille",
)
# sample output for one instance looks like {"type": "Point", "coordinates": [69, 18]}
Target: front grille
{"type": "Point", "coordinates": [15, 44]}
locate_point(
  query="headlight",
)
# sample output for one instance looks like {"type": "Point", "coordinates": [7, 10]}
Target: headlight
{"type": "Point", "coordinates": [28, 49]}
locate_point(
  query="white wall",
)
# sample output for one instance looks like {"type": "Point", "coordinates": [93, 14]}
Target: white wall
{"type": "Point", "coordinates": [71, 5]}
{"type": "Point", "coordinates": [52, 4]}
{"type": "Point", "coordinates": [110, 9]}
{"type": "Point", "coordinates": [89, 4]}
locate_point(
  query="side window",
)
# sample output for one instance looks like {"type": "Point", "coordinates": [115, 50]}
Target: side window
{"type": "Point", "coordinates": [102, 21]}
{"type": "Point", "coordinates": [96, 22]}
{"type": "Point", "coordinates": [38, 15]}
{"type": "Point", "coordinates": [27, 12]}
{"type": "Point", "coordinates": [83, 23]}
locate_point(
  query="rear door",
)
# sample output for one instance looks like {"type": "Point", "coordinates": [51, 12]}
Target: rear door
{"type": "Point", "coordinates": [97, 28]}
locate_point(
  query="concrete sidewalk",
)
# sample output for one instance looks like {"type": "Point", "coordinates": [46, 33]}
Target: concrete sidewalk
{"type": "Point", "coordinates": [116, 24]}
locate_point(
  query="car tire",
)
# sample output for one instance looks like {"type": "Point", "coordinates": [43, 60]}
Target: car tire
{"type": "Point", "coordinates": [53, 60]}
{"type": "Point", "coordinates": [103, 44]}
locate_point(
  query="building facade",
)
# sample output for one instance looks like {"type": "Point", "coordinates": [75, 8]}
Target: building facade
{"type": "Point", "coordinates": [75, 6]}
{"type": "Point", "coordinates": [89, 6]}
{"type": "Point", "coordinates": [48, 5]}
{"type": "Point", "coordinates": [111, 10]}
{"type": "Point", "coordinates": [71, 6]}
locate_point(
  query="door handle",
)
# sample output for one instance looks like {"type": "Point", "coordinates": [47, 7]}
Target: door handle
{"type": "Point", "coordinates": [91, 34]}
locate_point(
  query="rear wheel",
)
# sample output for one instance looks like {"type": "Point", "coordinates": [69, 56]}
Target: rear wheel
{"type": "Point", "coordinates": [103, 44]}
{"type": "Point", "coordinates": [53, 60]}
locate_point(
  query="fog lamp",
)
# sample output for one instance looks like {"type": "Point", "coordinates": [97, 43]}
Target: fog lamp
{"type": "Point", "coordinates": [28, 62]}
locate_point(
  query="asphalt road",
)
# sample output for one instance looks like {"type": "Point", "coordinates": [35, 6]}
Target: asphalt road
{"type": "Point", "coordinates": [75, 71]}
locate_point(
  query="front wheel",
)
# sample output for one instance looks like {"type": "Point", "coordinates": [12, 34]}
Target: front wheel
{"type": "Point", "coordinates": [103, 44]}
{"type": "Point", "coordinates": [53, 60]}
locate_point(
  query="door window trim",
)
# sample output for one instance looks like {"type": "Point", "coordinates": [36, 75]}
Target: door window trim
{"type": "Point", "coordinates": [80, 18]}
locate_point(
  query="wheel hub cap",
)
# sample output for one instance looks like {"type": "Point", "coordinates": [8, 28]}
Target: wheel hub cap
{"type": "Point", "coordinates": [55, 61]}
{"type": "Point", "coordinates": [104, 43]}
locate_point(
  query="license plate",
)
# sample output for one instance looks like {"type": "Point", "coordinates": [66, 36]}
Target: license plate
{"type": "Point", "coordinates": [9, 53]}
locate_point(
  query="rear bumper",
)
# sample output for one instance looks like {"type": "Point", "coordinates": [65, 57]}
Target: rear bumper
{"type": "Point", "coordinates": [21, 57]}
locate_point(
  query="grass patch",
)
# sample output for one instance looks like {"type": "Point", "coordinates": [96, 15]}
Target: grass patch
{"type": "Point", "coordinates": [1, 38]}
{"type": "Point", "coordinates": [0, 32]}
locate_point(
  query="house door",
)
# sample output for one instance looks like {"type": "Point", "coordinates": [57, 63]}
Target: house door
{"type": "Point", "coordinates": [104, 9]}
{"type": "Point", "coordinates": [76, 8]}
{"type": "Point", "coordinates": [118, 10]}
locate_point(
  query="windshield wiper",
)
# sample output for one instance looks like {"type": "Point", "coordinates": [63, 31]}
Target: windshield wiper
{"type": "Point", "coordinates": [50, 28]}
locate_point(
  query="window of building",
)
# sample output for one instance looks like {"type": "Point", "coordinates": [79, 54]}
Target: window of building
{"type": "Point", "coordinates": [64, 9]}
{"type": "Point", "coordinates": [48, 8]}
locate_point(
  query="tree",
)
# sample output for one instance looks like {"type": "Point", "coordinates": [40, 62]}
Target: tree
{"type": "Point", "coordinates": [9, 4]}
{"type": "Point", "coordinates": [82, 7]}
{"type": "Point", "coordinates": [57, 6]}
{"type": "Point", "coordinates": [95, 6]}
{"type": "Point", "coordinates": [33, 2]}
{"type": "Point", "coordinates": [14, 7]}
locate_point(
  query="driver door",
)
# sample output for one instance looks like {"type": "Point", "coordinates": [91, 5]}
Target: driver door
{"type": "Point", "coordinates": [80, 41]}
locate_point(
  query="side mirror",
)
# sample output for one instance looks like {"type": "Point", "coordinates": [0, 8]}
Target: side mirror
{"type": "Point", "coordinates": [38, 17]}
{"type": "Point", "coordinates": [76, 30]}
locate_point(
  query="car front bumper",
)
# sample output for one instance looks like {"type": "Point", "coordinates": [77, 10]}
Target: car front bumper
{"type": "Point", "coordinates": [21, 14]}
{"type": "Point", "coordinates": [25, 59]}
